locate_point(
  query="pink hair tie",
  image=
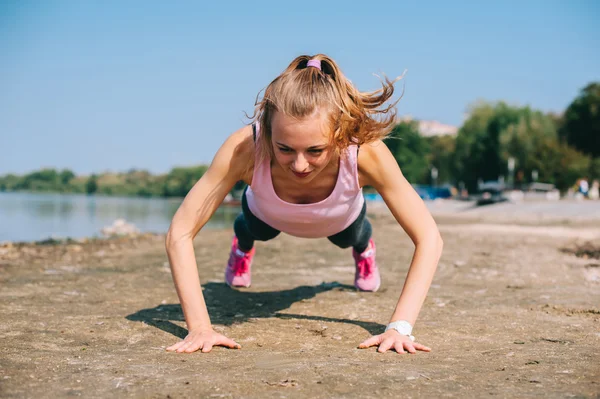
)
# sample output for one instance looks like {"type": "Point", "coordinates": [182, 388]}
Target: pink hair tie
{"type": "Point", "coordinates": [314, 63]}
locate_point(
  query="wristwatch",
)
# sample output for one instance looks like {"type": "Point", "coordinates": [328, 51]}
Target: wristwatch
{"type": "Point", "coordinates": [403, 327]}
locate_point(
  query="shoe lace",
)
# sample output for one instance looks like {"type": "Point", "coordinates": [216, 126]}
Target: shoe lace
{"type": "Point", "coordinates": [241, 263]}
{"type": "Point", "coordinates": [365, 264]}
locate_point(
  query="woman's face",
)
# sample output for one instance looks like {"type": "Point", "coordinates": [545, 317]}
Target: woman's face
{"type": "Point", "coordinates": [301, 146]}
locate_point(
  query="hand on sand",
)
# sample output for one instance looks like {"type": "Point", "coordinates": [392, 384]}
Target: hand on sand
{"type": "Point", "coordinates": [392, 339]}
{"type": "Point", "coordinates": [204, 340]}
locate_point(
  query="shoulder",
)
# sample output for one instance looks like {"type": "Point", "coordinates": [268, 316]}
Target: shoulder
{"type": "Point", "coordinates": [242, 143]}
{"type": "Point", "coordinates": [237, 153]}
{"type": "Point", "coordinates": [375, 164]}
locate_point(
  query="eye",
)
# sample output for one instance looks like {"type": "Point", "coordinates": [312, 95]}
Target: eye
{"type": "Point", "coordinates": [284, 150]}
{"type": "Point", "coordinates": [315, 152]}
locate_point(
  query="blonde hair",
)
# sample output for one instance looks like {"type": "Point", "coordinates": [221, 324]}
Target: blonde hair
{"type": "Point", "coordinates": [354, 117]}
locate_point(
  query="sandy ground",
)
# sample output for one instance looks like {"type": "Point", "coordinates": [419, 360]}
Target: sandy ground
{"type": "Point", "coordinates": [510, 314]}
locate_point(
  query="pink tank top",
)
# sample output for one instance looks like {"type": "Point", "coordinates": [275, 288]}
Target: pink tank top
{"type": "Point", "coordinates": [320, 219]}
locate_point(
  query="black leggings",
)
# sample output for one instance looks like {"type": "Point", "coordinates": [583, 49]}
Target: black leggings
{"type": "Point", "coordinates": [248, 228]}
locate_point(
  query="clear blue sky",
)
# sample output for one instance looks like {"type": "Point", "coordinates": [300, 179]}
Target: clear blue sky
{"type": "Point", "coordinates": [113, 85]}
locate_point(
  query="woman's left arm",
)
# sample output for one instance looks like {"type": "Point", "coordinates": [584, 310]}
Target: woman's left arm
{"type": "Point", "coordinates": [378, 168]}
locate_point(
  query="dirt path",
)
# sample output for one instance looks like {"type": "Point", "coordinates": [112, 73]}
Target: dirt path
{"type": "Point", "coordinates": [509, 314]}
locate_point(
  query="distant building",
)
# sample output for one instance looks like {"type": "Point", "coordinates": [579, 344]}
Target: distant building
{"type": "Point", "coordinates": [432, 128]}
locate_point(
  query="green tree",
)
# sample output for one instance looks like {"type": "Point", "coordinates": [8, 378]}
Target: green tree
{"type": "Point", "coordinates": [41, 180]}
{"type": "Point", "coordinates": [581, 121]}
{"type": "Point", "coordinates": [66, 176]}
{"type": "Point", "coordinates": [179, 181]}
{"type": "Point", "coordinates": [9, 182]}
{"type": "Point", "coordinates": [521, 139]}
{"type": "Point", "coordinates": [492, 134]}
{"type": "Point", "coordinates": [91, 185]}
{"type": "Point", "coordinates": [559, 163]}
{"type": "Point", "coordinates": [469, 144]}
{"type": "Point", "coordinates": [410, 150]}
{"type": "Point", "coordinates": [440, 156]}
{"type": "Point", "coordinates": [594, 172]}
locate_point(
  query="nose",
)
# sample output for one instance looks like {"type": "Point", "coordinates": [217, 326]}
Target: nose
{"type": "Point", "coordinates": [300, 164]}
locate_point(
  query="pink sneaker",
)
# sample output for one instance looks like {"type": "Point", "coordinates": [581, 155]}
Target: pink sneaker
{"type": "Point", "coordinates": [237, 273]}
{"type": "Point", "coordinates": [367, 275]}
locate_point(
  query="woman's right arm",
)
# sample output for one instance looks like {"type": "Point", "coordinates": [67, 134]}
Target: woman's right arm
{"type": "Point", "coordinates": [228, 166]}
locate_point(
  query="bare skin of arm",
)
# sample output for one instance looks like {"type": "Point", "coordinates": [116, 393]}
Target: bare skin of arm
{"type": "Point", "coordinates": [229, 165]}
{"type": "Point", "coordinates": [379, 169]}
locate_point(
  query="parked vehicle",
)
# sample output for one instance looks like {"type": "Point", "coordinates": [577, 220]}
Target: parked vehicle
{"type": "Point", "coordinates": [541, 191]}
{"type": "Point", "coordinates": [490, 192]}
{"type": "Point", "coordinates": [425, 192]}
{"type": "Point", "coordinates": [431, 193]}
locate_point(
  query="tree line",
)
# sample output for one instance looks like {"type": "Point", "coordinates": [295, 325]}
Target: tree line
{"type": "Point", "coordinates": [175, 183]}
{"type": "Point", "coordinates": [549, 148]}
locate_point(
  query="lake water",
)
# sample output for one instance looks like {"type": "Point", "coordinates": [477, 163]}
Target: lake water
{"type": "Point", "coordinates": [37, 216]}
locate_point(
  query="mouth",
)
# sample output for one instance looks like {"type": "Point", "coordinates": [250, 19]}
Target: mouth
{"type": "Point", "coordinates": [301, 175]}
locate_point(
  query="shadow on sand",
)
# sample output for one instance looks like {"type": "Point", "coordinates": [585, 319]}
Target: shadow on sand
{"type": "Point", "coordinates": [227, 306]}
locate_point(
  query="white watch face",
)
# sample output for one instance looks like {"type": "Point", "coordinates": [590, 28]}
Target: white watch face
{"type": "Point", "coordinates": [403, 327]}
{"type": "Point", "coordinates": [402, 331]}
